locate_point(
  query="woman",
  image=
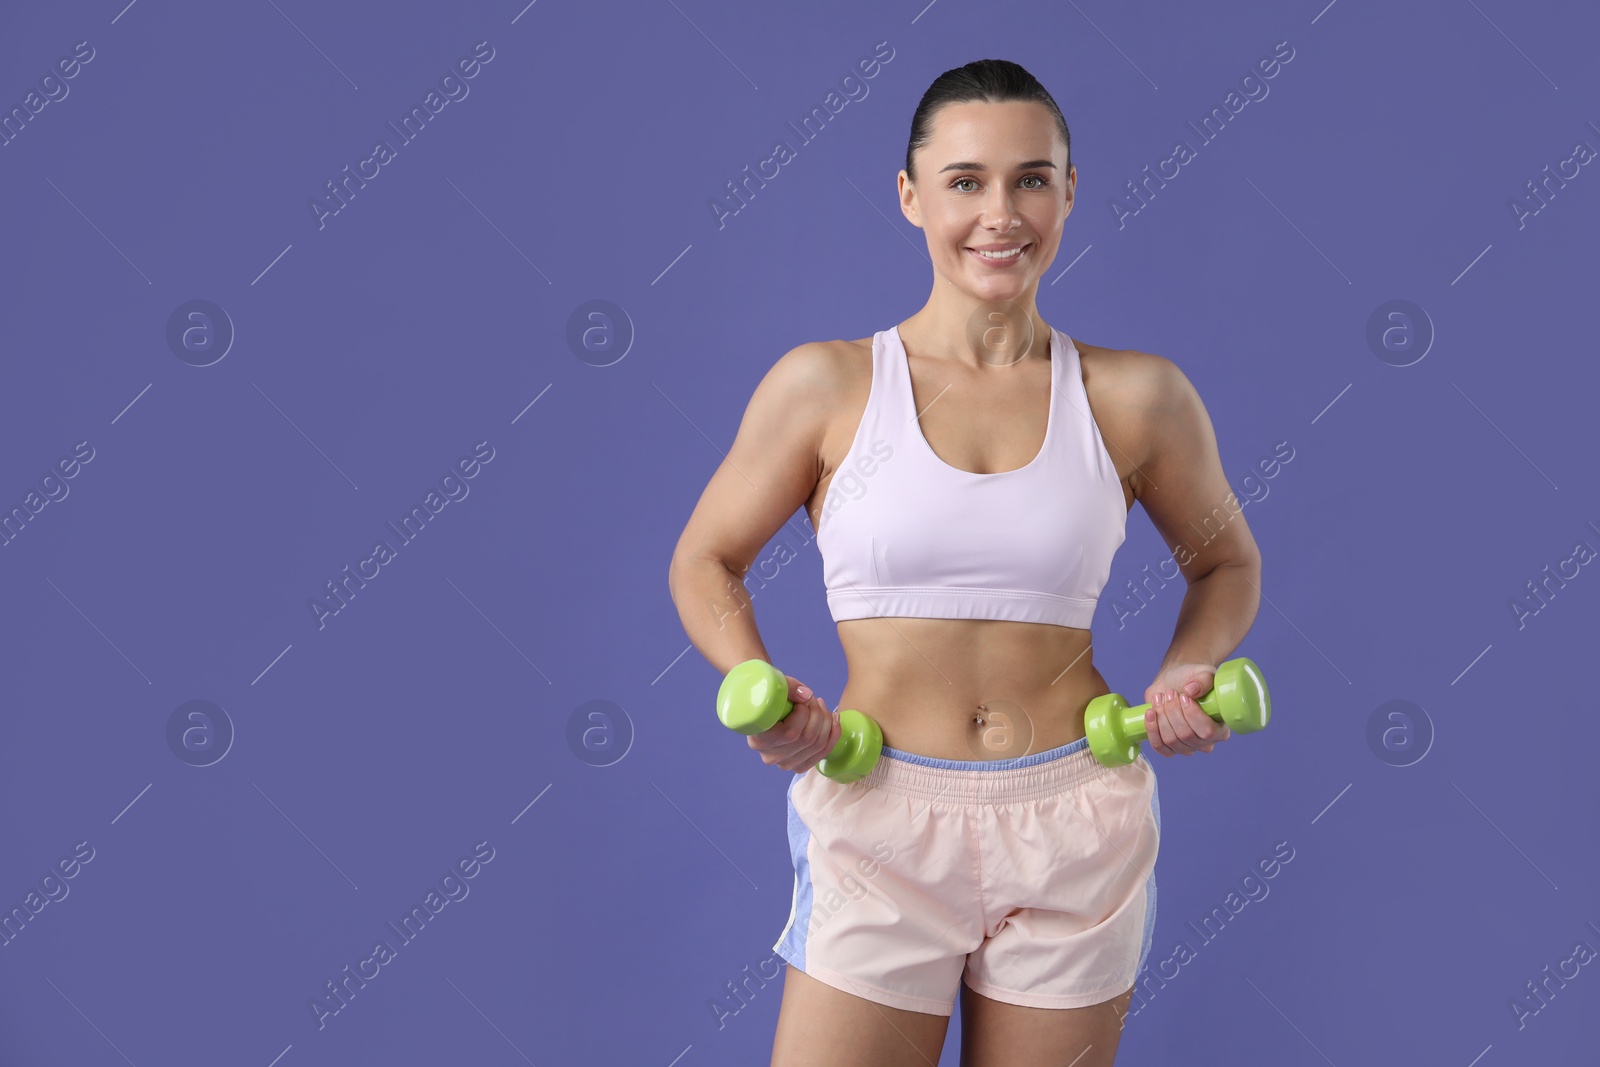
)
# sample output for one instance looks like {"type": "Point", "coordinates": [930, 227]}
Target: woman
{"type": "Point", "coordinates": [969, 473]}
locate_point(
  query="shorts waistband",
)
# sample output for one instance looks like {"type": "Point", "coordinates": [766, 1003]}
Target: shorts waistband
{"type": "Point", "coordinates": [1038, 774]}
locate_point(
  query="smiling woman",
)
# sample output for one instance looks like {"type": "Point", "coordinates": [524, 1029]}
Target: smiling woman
{"type": "Point", "coordinates": [969, 472]}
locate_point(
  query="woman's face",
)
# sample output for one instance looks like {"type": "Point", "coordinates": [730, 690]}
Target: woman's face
{"type": "Point", "coordinates": [992, 175]}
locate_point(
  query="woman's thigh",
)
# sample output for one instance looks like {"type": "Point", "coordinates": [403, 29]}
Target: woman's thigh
{"type": "Point", "coordinates": [820, 1026]}
{"type": "Point", "coordinates": [996, 1034]}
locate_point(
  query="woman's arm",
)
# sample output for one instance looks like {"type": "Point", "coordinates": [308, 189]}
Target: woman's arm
{"type": "Point", "coordinates": [1216, 613]}
{"type": "Point", "coordinates": [770, 471]}
{"type": "Point", "coordinates": [1180, 482]}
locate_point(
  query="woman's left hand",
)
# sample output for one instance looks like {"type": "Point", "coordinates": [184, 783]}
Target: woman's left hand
{"type": "Point", "coordinates": [1175, 724]}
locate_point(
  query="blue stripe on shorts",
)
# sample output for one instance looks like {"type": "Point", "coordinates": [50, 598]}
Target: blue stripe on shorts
{"type": "Point", "coordinates": [791, 944]}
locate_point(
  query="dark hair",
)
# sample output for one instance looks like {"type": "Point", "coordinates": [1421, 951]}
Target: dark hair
{"type": "Point", "coordinates": [991, 80]}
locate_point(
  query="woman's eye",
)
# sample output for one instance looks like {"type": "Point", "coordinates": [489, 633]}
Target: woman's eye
{"type": "Point", "coordinates": [1028, 177]}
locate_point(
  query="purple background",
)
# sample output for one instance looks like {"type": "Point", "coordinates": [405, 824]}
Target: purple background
{"type": "Point", "coordinates": [433, 311]}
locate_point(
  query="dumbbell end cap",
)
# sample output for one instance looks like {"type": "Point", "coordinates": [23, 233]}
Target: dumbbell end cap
{"type": "Point", "coordinates": [1243, 695]}
{"type": "Point", "coordinates": [753, 697]}
{"type": "Point", "coordinates": [1117, 755]}
{"type": "Point", "coordinates": [1102, 724]}
{"type": "Point", "coordinates": [860, 745]}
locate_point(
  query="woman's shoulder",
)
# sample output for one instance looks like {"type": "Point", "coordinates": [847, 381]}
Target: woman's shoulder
{"type": "Point", "coordinates": [808, 386]}
{"type": "Point", "coordinates": [821, 355]}
{"type": "Point", "coordinates": [824, 386]}
{"type": "Point", "coordinates": [1134, 397]}
{"type": "Point", "coordinates": [831, 370]}
{"type": "Point", "coordinates": [1127, 377]}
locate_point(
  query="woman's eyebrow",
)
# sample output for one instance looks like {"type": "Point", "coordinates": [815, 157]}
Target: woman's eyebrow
{"type": "Point", "coordinates": [964, 165]}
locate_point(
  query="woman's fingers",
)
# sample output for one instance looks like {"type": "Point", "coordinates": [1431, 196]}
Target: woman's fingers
{"type": "Point", "coordinates": [1207, 730]}
{"type": "Point", "coordinates": [1191, 725]}
{"type": "Point", "coordinates": [816, 739]}
{"type": "Point", "coordinates": [829, 736]}
{"type": "Point", "coordinates": [799, 692]}
{"type": "Point", "coordinates": [1162, 737]}
{"type": "Point", "coordinates": [782, 734]}
{"type": "Point", "coordinates": [1178, 725]}
{"type": "Point", "coordinates": [1172, 733]}
{"type": "Point", "coordinates": [800, 740]}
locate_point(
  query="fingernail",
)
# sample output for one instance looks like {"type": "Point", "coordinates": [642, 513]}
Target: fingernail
{"type": "Point", "coordinates": [805, 692]}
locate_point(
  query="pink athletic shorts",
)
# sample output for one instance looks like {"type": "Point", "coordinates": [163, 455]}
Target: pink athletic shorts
{"type": "Point", "coordinates": [1032, 879]}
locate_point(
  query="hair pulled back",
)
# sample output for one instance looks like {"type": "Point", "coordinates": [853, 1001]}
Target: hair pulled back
{"type": "Point", "coordinates": [991, 80]}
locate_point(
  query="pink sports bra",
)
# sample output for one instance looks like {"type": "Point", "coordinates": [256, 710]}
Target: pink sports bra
{"type": "Point", "coordinates": [903, 533]}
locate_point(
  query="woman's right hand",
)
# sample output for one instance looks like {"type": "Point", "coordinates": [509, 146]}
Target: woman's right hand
{"type": "Point", "coordinates": [801, 739]}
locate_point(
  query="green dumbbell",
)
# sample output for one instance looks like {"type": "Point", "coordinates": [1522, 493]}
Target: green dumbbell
{"type": "Point", "coordinates": [755, 697]}
{"type": "Point", "coordinates": [1238, 697]}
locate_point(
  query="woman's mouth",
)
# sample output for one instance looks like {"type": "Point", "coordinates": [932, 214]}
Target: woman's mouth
{"type": "Point", "coordinates": [1001, 258]}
